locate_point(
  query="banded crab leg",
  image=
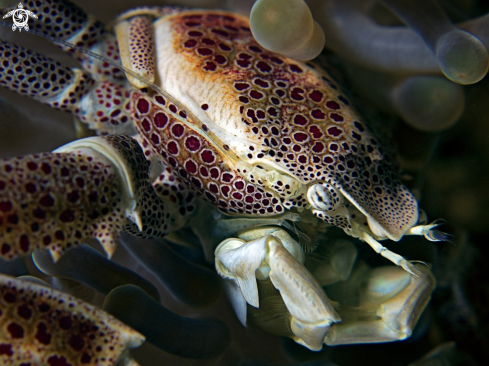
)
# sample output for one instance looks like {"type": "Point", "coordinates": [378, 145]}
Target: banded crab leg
{"type": "Point", "coordinates": [95, 187]}
{"type": "Point", "coordinates": [104, 106]}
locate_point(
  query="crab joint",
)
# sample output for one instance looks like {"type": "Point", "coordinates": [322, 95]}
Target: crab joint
{"type": "Point", "coordinates": [389, 306]}
{"type": "Point", "coordinates": [52, 200]}
{"type": "Point", "coordinates": [311, 312]}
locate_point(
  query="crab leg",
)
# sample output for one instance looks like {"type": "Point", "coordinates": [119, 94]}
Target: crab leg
{"type": "Point", "coordinates": [136, 43]}
{"type": "Point", "coordinates": [95, 187]}
{"type": "Point", "coordinates": [64, 21]}
{"type": "Point", "coordinates": [389, 306]}
{"type": "Point", "coordinates": [103, 105]}
{"type": "Point", "coordinates": [386, 253]}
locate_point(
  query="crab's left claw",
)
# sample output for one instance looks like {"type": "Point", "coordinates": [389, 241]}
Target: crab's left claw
{"type": "Point", "coordinates": [391, 302]}
{"type": "Point", "coordinates": [311, 312]}
{"type": "Point", "coordinates": [91, 188]}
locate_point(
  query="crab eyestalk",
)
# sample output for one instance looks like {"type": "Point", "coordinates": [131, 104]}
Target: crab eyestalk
{"type": "Point", "coordinates": [91, 188]}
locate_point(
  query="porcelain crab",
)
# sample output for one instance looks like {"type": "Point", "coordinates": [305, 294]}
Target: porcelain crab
{"type": "Point", "coordinates": [200, 112]}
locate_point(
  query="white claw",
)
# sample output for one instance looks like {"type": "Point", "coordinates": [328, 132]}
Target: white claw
{"type": "Point", "coordinates": [311, 310]}
{"type": "Point", "coordinates": [400, 298]}
{"type": "Point", "coordinates": [241, 263]}
{"type": "Point", "coordinates": [288, 242]}
{"type": "Point", "coordinates": [237, 300]}
{"type": "Point", "coordinates": [408, 267]}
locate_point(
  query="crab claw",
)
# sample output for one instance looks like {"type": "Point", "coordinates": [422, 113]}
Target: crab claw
{"type": "Point", "coordinates": [43, 326]}
{"type": "Point", "coordinates": [390, 304]}
{"type": "Point", "coordinates": [311, 312]}
{"type": "Point", "coordinates": [95, 187]}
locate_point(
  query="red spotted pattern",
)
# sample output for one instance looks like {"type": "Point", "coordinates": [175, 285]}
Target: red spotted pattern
{"type": "Point", "coordinates": [199, 165]}
{"type": "Point", "coordinates": [112, 108]}
{"type": "Point", "coordinates": [64, 200]}
{"type": "Point", "coordinates": [48, 327]}
{"type": "Point", "coordinates": [291, 110]}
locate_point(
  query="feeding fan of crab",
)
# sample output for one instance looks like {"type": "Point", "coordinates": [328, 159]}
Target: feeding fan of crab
{"type": "Point", "coordinates": [204, 135]}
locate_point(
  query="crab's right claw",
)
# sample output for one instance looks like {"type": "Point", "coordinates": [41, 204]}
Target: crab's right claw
{"type": "Point", "coordinates": [242, 263]}
{"type": "Point", "coordinates": [391, 303]}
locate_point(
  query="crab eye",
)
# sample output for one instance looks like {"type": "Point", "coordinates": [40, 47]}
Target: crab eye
{"type": "Point", "coordinates": [323, 197]}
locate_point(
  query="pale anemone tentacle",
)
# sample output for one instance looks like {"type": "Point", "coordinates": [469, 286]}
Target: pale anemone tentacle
{"type": "Point", "coordinates": [15, 267]}
{"type": "Point", "coordinates": [286, 27]}
{"type": "Point", "coordinates": [429, 103]}
{"type": "Point", "coordinates": [175, 334]}
{"type": "Point", "coordinates": [87, 266]}
{"type": "Point", "coordinates": [354, 36]}
{"type": "Point", "coordinates": [190, 283]}
{"type": "Point", "coordinates": [461, 56]}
